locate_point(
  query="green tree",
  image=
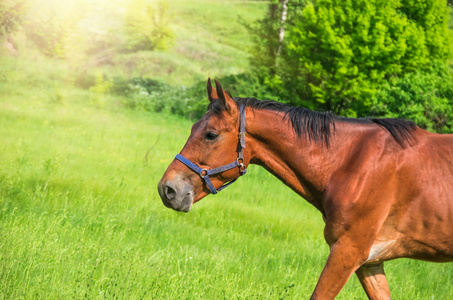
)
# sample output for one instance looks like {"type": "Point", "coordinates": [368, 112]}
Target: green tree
{"type": "Point", "coordinates": [147, 25]}
{"type": "Point", "coordinates": [267, 35]}
{"type": "Point", "coordinates": [339, 55]}
{"type": "Point", "coordinates": [51, 26]}
{"type": "Point", "coordinates": [11, 16]}
{"type": "Point", "coordinates": [424, 97]}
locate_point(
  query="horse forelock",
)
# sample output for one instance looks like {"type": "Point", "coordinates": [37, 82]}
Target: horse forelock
{"type": "Point", "coordinates": [216, 107]}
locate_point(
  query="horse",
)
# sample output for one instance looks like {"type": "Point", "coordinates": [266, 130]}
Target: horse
{"type": "Point", "coordinates": [383, 186]}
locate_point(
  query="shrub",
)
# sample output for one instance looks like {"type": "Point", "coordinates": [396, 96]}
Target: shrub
{"type": "Point", "coordinates": [338, 54]}
{"type": "Point", "coordinates": [426, 98]}
{"type": "Point", "coordinates": [151, 95]}
{"type": "Point", "coordinates": [147, 25]}
{"type": "Point", "coordinates": [101, 88]}
{"type": "Point", "coordinates": [244, 85]}
{"type": "Point", "coordinates": [11, 15]}
{"type": "Point", "coordinates": [51, 28]}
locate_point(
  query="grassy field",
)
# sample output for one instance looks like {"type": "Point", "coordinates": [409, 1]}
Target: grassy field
{"type": "Point", "coordinates": [209, 39]}
{"type": "Point", "coordinates": [80, 215]}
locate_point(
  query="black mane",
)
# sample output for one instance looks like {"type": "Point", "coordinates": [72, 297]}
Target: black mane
{"type": "Point", "coordinates": [317, 126]}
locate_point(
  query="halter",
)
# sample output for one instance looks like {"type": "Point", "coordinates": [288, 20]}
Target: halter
{"type": "Point", "coordinates": [204, 174]}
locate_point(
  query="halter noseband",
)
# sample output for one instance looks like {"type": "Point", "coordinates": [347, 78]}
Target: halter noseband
{"type": "Point", "coordinates": [204, 174]}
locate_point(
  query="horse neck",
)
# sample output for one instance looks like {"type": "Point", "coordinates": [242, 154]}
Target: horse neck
{"type": "Point", "coordinates": [302, 165]}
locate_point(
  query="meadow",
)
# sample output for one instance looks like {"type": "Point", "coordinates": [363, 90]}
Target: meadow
{"type": "Point", "coordinates": [80, 216]}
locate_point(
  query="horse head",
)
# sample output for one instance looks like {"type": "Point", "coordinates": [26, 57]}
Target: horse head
{"type": "Point", "coordinates": [213, 156]}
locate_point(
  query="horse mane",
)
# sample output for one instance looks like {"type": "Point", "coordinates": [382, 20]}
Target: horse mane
{"type": "Point", "coordinates": [317, 126]}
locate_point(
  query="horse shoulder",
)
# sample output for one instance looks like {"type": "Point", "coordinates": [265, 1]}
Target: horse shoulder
{"type": "Point", "coordinates": [360, 192]}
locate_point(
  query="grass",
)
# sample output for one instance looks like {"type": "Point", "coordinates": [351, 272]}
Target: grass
{"type": "Point", "coordinates": [209, 40]}
{"type": "Point", "coordinates": [210, 48]}
{"type": "Point", "coordinates": [80, 216]}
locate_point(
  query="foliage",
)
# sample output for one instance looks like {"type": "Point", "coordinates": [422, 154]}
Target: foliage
{"type": "Point", "coordinates": [153, 96]}
{"type": "Point", "coordinates": [11, 16]}
{"type": "Point", "coordinates": [101, 88]}
{"type": "Point", "coordinates": [191, 102]}
{"type": "Point", "coordinates": [245, 85]}
{"type": "Point", "coordinates": [51, 27]}
{"type": "Point", "coordinates": [337, 54]}
{"type": "Point", "coordinates": [266, 35]}
{"type": "Point", "coordinates": [425, 98]}
{"type": "Point", "coordinates": [147, 25]}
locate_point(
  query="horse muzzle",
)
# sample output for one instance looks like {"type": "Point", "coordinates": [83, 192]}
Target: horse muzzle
{"type": "Point", "coordinates": [176, 194]}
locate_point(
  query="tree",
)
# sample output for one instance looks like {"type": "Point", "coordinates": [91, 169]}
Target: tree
{"type": "Point", "coordinates": [147, 26]}
{"type": "Point", "coordinates": [11, 16]}
{"type": "Point", "coordinates": [338, 55]}
{"type": "Point", "coordinates": [282, 25]}
{"type": "Point", "coordinates": [52, 25]}
{"type": "Point", "coordinates": [269, 34]}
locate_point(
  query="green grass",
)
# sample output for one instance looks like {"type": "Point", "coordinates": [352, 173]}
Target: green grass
{"type": "Point", "coordinates": [80, 215]}
{"type": "Point", "coordinates": [79, 211]}
{"type": "Point", "coordinates": [210, 40]}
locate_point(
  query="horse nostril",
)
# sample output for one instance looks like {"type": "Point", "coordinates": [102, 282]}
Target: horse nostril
{"type": "Point", "coordinates": [170, 192]}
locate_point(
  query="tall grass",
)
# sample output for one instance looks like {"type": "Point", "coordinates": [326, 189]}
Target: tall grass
{"type": "Point", "coordinates": [80, 216]}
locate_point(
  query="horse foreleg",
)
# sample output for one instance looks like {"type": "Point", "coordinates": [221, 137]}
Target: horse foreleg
{"type": "Point", "coordinates": [343, 261]}
{"type": "Point", "coordinates": [374, 282]}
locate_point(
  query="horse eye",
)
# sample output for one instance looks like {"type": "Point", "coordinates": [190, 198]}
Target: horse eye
{"type": "Point", "coordinates": [211, 136]}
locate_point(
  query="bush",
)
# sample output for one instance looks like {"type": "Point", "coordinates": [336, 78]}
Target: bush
{"type": "Point", "coordinates": [102, 86]}
{"type": "Point", "coordinates": [338, 54]}
{"type": "Point", "coordinates": [11, 15]}
{"type": "Point", "coordinates": [147, 26]}
{"type": "Point", "coordinates": [51, 28]}
{"type": "Point", "coordinates": [426, 98]}
{"type": "Point", "coordinates": [151, 95]}
{"type": "Point", "coordinates": [244, 85]}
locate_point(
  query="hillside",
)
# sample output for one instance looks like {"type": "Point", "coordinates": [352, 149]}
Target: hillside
{"type": "Point", "coordinates": [208, 38]}
{"type": "Point", "coordinates": [80, 216]}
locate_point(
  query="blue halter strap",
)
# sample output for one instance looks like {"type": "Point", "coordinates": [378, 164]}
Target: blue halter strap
{"type": "Point", "coordinates": [204, 174]}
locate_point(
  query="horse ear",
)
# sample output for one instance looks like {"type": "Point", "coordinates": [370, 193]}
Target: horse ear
{"type": "Point", "coordinates": [226, 100]}
{"type": "Point", "coordinates": [212, 93]}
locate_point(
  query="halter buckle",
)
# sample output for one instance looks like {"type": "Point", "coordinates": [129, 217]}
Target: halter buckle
{"type": "Point", "coordinates": [240, 162]}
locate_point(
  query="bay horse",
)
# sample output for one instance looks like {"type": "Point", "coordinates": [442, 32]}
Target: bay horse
{"type": "Point", "coordinates": [383, 186]}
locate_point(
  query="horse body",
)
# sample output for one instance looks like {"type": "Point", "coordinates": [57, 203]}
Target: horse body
{"type": "Point", "coordinates": [381, 200]}
{"type": "Point", "coordinates": [383, 187]}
